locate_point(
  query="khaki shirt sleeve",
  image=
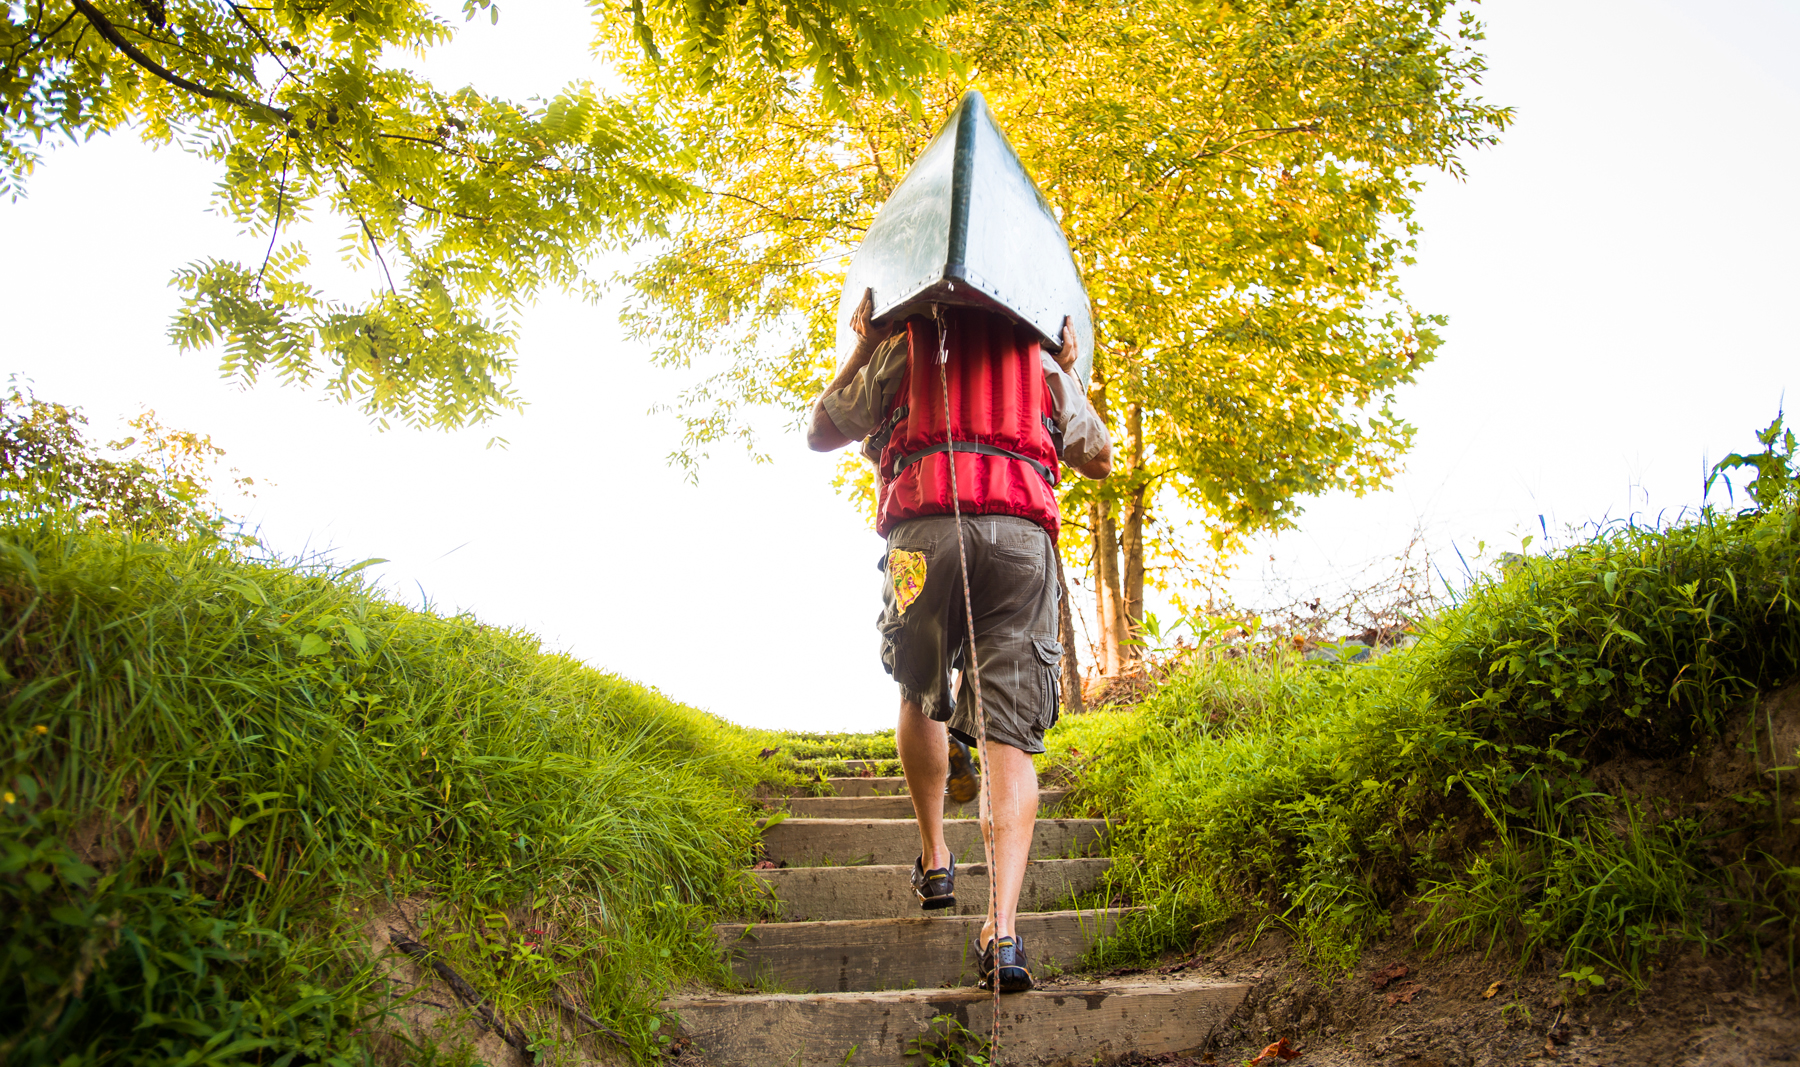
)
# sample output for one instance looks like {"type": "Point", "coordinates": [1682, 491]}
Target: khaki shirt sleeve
{"type": "Point", "coordinates": [1084, 435]}
{"type": "Point", "coordinates": [863, 402]}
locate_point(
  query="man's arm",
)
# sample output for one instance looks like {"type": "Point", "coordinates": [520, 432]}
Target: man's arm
{"type": "Point", "coordinates": [824, 435]}
{"type": "Point", "coordinates": [1099, 465]}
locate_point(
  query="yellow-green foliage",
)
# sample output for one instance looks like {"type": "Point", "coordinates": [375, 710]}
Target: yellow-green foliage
{"type": "Point", "coordinates": [247, 750]}
{"type": "Point", "coordinates": [1326, 794]}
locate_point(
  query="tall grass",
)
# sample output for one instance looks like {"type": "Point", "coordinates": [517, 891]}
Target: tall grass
{"type": "Point", "coordinates": [216, 768]}
{"type": "Point", "coordinates": [1453, 776]}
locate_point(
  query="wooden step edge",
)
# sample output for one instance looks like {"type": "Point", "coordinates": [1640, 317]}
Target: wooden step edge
{"type": "Point", "coordinates": [881, 824]}
{"type": "Point", "coordinates": [845, 955]}
{"type": "Point", "coordinates": [840, 787]}
{"type": "Point", "coordinates": [763, 931]}
{"type": "Point", "coordinates": [1049, 800]}
{"type": "Point", "coordinates": [975, 869]}
{"type": "Point", "coordinates": [1063, 990]}
{"type": "Point", "coordinates": [1057, 1023]}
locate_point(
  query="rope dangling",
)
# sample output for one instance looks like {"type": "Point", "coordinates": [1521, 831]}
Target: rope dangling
{"type": "Point", "coordinates": [985, 804]}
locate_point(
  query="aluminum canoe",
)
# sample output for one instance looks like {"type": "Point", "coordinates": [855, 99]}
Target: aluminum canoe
{"type": "Point", "coordinates": [967, 225]}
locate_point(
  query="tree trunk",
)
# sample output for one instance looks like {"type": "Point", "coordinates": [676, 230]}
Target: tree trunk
{"type": "Point", "coordinates": [1106, 655]}
{"type": "Point", "coordinates": [1112, 607]}
{"type": "Point", "coordinates": [1108, 611]}
{"type": "Point", "coordinates": [1065, 632]}
{"type": "Point", "coordinates": [1131, 543]}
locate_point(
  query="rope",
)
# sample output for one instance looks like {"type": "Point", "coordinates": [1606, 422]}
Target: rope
{"type": "Point", "coordinates": [985, 805]}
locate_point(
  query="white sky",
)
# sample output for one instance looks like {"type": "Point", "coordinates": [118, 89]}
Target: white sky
{"type": "Point", "coordinates": [1620, 276]}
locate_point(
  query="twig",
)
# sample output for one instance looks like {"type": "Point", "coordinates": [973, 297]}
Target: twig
{"type": "Point", "coordinates": [287, 157]}
{"type": "Point", "coordinates": [465, 992]}
{"type": "Point", "coordinates": [374, 246]}
{"type": "Point", "coordinates": [584, 1018]}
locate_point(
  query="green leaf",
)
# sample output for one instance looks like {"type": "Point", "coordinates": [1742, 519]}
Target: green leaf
{"type": "Point", "coordinates": [313, 645]}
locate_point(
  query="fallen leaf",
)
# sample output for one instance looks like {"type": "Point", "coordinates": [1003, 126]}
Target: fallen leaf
{"type": "Point", "coordinates": [767, 752]}
{"type": "Point", "coordinates": [1280, 1049]}
{"type": "Point", "coordinates": [1208, 1058]}
{"type": "Point", "coordinates": [1403, 996]}
{"type": "Point", "coordinates": [766, 865]}
{"type": "Point", "coordinates": [256, 872]}
{"type": "Point", "coordinates": [1387, 974]}
{"type": "Point", "coordinates": [1493, 989]}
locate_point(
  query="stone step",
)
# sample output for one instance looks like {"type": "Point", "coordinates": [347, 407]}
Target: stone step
{"type": "Point", "coordinates": [1081, 1023]}
{"type": "Point", "coordinates": [820, 894]}
{"type": "Point", "coordinates": [864, 954]}
{"type": "Point", "coordinates": [799, 842]}
{"type": "Point", "coordinates": [900, 807]}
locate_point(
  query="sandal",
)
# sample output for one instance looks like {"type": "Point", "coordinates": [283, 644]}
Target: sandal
{"type": "Point", "coordinates": [1004, 958]}
{"type": "Point", "coordinates": [962, 784]}
{"type": "Point", "coordinates": [937, 887]}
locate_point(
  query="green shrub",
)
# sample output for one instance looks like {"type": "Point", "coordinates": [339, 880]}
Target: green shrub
{"type": "Point", "coordinates": [1638, 638]}
{"type": "Point", "coordinates": [1453, 772]}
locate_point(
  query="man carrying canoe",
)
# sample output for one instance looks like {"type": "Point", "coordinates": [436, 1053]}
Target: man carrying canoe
{"type": "Point", "coordinates": [975, 388]}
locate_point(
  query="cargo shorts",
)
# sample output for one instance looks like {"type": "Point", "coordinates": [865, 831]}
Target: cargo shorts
{"type": "Point", "coordinates": [1014, 592]}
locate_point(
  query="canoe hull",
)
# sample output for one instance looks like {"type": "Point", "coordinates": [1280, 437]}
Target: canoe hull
{"type": "Point", "coordinates": [968, 226]}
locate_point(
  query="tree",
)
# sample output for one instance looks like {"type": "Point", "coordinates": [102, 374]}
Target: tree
{"type": "Point", "coordinates": [1236, 179]}
{"type": "Point", "coordinates": [158, 481]}
{"type": "Point", "coordinates": [466, 206]}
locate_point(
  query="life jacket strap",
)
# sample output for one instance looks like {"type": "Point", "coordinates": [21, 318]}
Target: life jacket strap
{"type": "Point", "coordinates": [878, 440]}
{"type": "Point", "coordinates": [976, 447]}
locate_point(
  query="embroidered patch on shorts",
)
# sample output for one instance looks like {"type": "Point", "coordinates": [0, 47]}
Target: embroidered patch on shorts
{"type": "Point", "coordinates": [907, 571]}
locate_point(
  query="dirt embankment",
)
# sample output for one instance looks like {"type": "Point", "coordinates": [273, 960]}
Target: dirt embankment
{"type": "Point", "coordinates": [1734, 1004]}
{"type": "Point", "coordinates": [1403, 1008]}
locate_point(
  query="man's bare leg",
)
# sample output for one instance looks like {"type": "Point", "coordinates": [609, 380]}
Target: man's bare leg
{"type": "Point", "coordinates": [925, 756]}
{"type": "Point", "coordinates": [1013, 782]}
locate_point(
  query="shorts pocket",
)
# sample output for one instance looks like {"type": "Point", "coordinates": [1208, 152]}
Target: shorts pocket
{"type": "Point", "coordinates": [1023, 557]}
{"type": "Point", "coordinates": [1049, 654]}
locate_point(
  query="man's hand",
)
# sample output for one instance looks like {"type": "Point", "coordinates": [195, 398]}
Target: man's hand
{"type": "Point", "coordinates": [1071, 348]}
{"type": "Point", "coordinates": [871, 334]}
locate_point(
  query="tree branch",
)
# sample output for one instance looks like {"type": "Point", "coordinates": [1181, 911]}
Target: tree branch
{"type": "Point", "coordinates": [465, 992]}
{"type": "Point", "coordinates": [225, 96]}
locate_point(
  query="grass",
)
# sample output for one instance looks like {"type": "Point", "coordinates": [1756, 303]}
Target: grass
{"type": "Point", "coordinates": [1449, 785]}
{"type": "Point", "coordinates": [217, 768]}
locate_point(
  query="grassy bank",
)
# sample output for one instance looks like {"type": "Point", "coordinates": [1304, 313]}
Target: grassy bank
{"type": "Point", "coordinates": [222, 775]}
{"type": "Point", "coordinates": [1486, 786]}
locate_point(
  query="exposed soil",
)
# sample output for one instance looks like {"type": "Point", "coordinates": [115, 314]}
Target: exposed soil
{"type": "Point", "coordinates": [1403, 1008]}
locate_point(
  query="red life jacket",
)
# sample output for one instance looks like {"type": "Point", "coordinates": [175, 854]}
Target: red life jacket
{"type": "Point", "coordinates": [1001, 422]}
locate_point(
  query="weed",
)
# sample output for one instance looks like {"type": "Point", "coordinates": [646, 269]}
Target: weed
{"type": "Point", "coordinates": [948, 1043]}
{"type": "Point", "coordinates": [1583, 980]}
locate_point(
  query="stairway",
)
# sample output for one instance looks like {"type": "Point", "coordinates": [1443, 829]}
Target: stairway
{"type": "Point", "coordinates": [865, 970]}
